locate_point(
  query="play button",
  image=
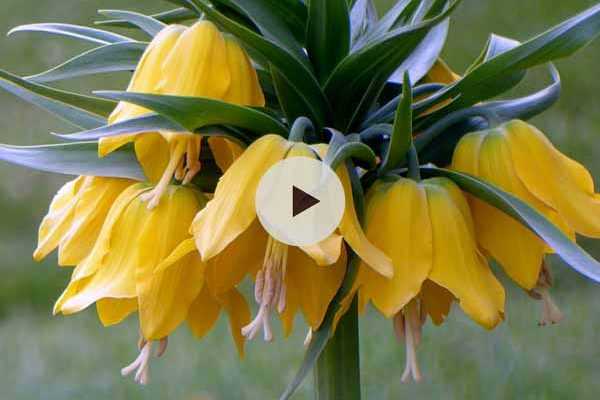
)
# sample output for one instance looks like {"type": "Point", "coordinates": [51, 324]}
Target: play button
{"type": "Point", "coordinates": [300, 201]}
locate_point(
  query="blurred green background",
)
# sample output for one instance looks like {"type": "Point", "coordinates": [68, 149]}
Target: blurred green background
{"type": "Point", "coordinates": [45, 357]}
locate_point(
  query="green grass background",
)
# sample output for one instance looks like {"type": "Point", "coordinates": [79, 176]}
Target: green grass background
{"type": "Point", "coordinates": [45, 357]}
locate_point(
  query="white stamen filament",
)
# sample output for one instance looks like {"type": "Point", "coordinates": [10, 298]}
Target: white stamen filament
{"type": "Point", "coordinates": [412, 335]}
{"type": "Point", "coordinates": [551, 314]}
{"type": "Point", "coordinates": [141, 365]}
{"type": "Point", "coordinates": [269, 290]}
{"type": "Point", "coordinates": [308, 338]}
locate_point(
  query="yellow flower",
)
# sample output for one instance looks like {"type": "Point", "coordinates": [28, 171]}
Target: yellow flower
{"type": "Point", "coordinates": [519, 159]}
{"type": "Point", "coordinates": [199, 62]}
{"type": "Point", "coordinates": [75, 218]}
{"type": "Point", "coordinates": [228, 233]}
{"type": "Point", "coordinates": [122, 275]}
{"type": "Point", "coordinates": [427, 230]}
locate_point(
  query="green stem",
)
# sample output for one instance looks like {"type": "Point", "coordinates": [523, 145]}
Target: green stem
{"type": "Point", "coordinates": [337, 373]}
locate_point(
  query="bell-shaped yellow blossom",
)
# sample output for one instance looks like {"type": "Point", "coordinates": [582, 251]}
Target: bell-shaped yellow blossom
{"type": "Point", "coordinates": [519, 159]}
{"type": "Point", "coordinates": [198, 62]}
{"type": "Point", "coordinates": [128, 269]}
{"type": "Point", "coordinates": [427, 230]}
{"type": "Point", "coordinates": [75, 218]}
{"type": "Point", "coordinates": [229, 236]}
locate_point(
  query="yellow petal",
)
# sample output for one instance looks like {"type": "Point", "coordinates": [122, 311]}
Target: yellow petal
{"type": "Point", "coordinates": [515, 247]}
{"type": "Point", "coordinates": [327, 251]}
{"type": "Point", "coordinates": [152, 151]}
{"type": "Point", "coordinates": [556, 182]}
{"type": "Point", "coordinates": [312, 285]}
{"type": "Point", "coordinates": [165, 297]}
{"type": "Point", "coordinates": [436, 301]}
{"type": "Point", "coordinates": [242, 257]}
{"type": "Point", "coordinates": [232, 209]}
{"type": "Point", "coordinates": [57, 221]}
{"type": "Point", "coordinates": [457, 266]}
{"type": "Point", "coordinates": [441, 73]}
{"type": "Point", "coordinates": [353, 234]}
{"type": "Point", "coordinates": [397, 222]}
{"type": "Point", "coordinates": [244, 88]}
{"type": "Point", "coordinates": [203, 313]}
{"type": "Point", "coordinates": [239, 315]}
{"type": "Point", "coordinates": [114, 311]}
{"type": "Point", "coordinates": [224, 151]}
{"type": "Point", "coordinates": [197, 65]}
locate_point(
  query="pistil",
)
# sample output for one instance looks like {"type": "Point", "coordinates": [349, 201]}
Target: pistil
{"type": "Point", "coordinates": [141, 365]}
{"type": "Point", "coordinates": [407, 325]}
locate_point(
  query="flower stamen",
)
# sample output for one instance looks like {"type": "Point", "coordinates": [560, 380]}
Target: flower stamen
{"type": "Point", "coordinates": [407, 325]}
{"type": "Point", "coordinates": [153, 196]}
{"type": "Point", "coordinates": [269, 290]}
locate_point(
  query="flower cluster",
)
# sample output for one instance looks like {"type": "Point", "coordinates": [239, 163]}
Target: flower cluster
{"type": "Point", "coordinates": [149, 234]}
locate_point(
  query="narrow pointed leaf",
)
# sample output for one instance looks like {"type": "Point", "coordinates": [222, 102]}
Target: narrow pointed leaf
{"type": "Point", "coordinates": [151, 123]}
{"type": "Point", "coordinates": [74, 31]}
{"type": "Point", "coordinates": [401, 138]}
{"type": "Point", "coordinates": [83, 111]}
{"type": "Point", "coordinates": [569, 251]}
{"type": "Point", "coordinates": [167, 17]}
{"type": "Point", "coordinates": [108, 58]}
{"type": "Point", "coordinates": [146, 23]}
{"type": "Point", "coordinates": [196, 112]}
{"type": "Point", "coordinates": [327, 35]}
{"type": "Point", "coordinates": [363, 16]}
{"type": "Point", "coordinates": [486, 80]}
{"type": "Point", "coordinates": [75, 159]}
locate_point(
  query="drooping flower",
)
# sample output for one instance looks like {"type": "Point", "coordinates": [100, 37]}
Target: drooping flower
{"type": "Point", "coordinates": [427, 230]}
{"type": "Point", "coordinates": [198, 62]}
{"type": "Point", "coordinates": [75, 217]}
{"type": "Point", "coordinates": [519, 159]}
{"type": "Point", "coordinates": [128, 270]}
{"type": "Point", "coordinates": [287, 278]}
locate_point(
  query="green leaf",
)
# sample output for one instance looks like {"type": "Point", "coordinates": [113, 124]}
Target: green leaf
{"type": "Point", "coordinates": [363, 17]}
{"type": "Point", "coordinates": [401, 138]}
{"type": "Point", "coordinates": [114, 57]}
{"type": "Point", "coordinates": [282, 21]}
{"type": "Point", "coordinates": [167, 17]}
{"type": "Point", "coordinates": [82, 111]}
{"type": "Point", "coordinates": [386, 23]}
{"type": "Point", "coordinates": [366, 71]}
{"type": "Point", "coordinates": [197, 112]}
{"type": "Point", "coordinates": [74, 31]}
{"type": "Point", "coordinates": [297, 72]}
{"type": "Point", "coordinates": [488, 79]}
{"type": "Point", "coordinates": [327, 35]}
{"type": "Point", "coordinates": [569, 251]}
{"type": "Point", "coordinates": [148, 24]}
{"type": "Point", "coordinates": [75, 159]}
{"type": "Point", "coordinates": [151, 123]}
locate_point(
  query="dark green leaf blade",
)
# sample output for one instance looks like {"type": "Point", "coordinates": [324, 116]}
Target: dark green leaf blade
{"type": "Point", "coordinates": [196, 112]}
{"type": "Point", "coordinates": [82, 111]}
{"type": "Point", "coordinates": [146, 23]}
{"type": "Point", "coordinates": [74, 31]}
{"type": "Point", "coordinates": [569, 251]}
{"type": "Point", "coordinates": [75, 159]}
{"type": "Point", "coordinates": [113, 57]}
{"type": "Point", "coordinates": [327, 35]}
